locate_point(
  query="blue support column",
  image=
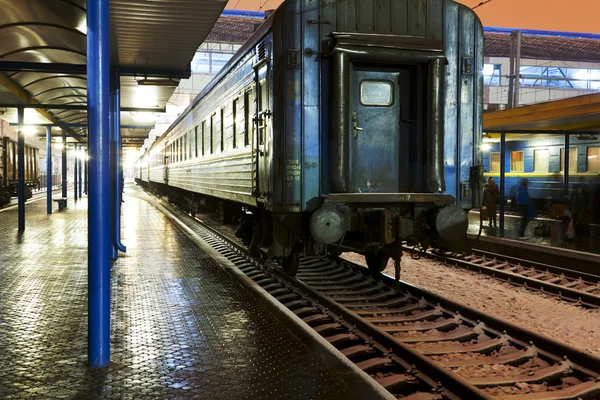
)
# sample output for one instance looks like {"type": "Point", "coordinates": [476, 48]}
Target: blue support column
{"type": "Point", "coordinates": [566, 163]}
{"type": "Point", "coordinates": [21, 169]}
{"type": "Point", "coordinates": [502, 179]}
{"type": "Point", "coordinates": [114, 254]}
{"type": "Point", "coordinates": [99, 235]}
{"type": "Point", "coordinates": [64, 166]}
{"type": "Point", "coordinates": [49, 170]}
{"type": "Point", "coordinates": [80, 183]}
{"type": "Point", "coordinates": [85, 173]}
{"type": "Point", "coordinates": [75, 173]}
{"type": "Point", "coordinates": [118, 187]}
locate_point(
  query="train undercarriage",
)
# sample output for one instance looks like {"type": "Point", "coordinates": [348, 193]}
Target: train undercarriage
{"type": "Point", "coordinates": [339, 226]}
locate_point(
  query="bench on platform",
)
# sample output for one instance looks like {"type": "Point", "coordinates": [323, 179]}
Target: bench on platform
{"type": "Point", "coordinates": [62, 203]}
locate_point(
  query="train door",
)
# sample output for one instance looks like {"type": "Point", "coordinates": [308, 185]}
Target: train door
{"type": "Point", "coordinates": [375, 138]}
{"type": "Point", "coordinates": [262, 119]}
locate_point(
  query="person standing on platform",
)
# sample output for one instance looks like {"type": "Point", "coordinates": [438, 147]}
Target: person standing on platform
{"type": "Point", "coordinates": [490, 196]}
{"type": "Point", "coordinates": [524, 206]}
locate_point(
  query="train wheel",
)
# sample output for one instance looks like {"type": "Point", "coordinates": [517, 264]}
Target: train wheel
{"type": "Point", "coordinates": [377, 261]}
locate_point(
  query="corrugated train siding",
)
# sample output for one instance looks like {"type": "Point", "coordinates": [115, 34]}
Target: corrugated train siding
{"type": "Point", "coordinates": [229, 178]}
{"type": "Point", "coordinates": [157, 174]}
{"type": "Point", "coordinates": [423, 18]}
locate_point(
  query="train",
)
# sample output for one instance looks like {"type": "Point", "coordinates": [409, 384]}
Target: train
{"type": "Point", "coordinates": [9, 170]}
{"type": "Point", "coordinates": [540, 159]}
{"type": "Point", "coordinates": [338, 126]}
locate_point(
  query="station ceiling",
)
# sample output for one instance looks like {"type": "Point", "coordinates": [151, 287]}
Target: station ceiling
{"type": "Point", "coordinates": [152, 44]}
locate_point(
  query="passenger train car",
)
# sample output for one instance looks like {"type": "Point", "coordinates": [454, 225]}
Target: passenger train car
{"type": "Point", "coordinates": [9, 171]}
{"type": "Point", "coordinates": [339, 126]}
{"type": "Point", "coordinates": [541, 158]}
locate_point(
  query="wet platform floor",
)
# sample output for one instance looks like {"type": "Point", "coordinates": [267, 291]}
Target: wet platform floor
{"type": "Point", "coordinates": [182, 327]}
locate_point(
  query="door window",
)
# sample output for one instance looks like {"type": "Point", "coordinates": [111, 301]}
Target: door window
{"type": "Point", "coordinates": [376, 93]}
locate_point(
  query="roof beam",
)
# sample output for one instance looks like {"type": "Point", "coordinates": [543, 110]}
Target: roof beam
{"type": "Point", "coordinates": [81, 69]}
{"type": "Point", "coordinates": [26, 97]}
{"type": "Point", "coordinates": [79, 107]}
{"type": "Point", "coordinates": [67, 125]}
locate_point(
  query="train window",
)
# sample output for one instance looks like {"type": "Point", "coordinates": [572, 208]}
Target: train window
{"type": "Point", "coordinates": [248, 102]}
{"type": "Point", "coordinates": [517, 161]}
{"type": "Point", "coordinates": [191, 144]}
{"type": "Point", "coordinates": [541, 160]}
{"type": "Point", "coordinates": [234, 120]}
{"type": "Point", "coordinates": [222, 130]}
{"type": "Point", "coordinates": [494, 162]}
{"type": "Point", "coordinates": [593, 159]}
{"type": "Point", "coordinates": [212, 132]}
{"type": "Point", "coordinates": [203, 136]}
{"type": "Point", "coordinates": [376, 93]}
{"type": "Point", "coordinates": [196, 143]}
{"type": "Point", "coordinates": [572, 160]}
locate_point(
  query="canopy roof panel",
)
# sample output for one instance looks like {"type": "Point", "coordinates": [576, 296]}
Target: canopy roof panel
{"type": "Point", "coordinates": [581, 113]}
{"type": "Point", "coordinates": [149, 38]}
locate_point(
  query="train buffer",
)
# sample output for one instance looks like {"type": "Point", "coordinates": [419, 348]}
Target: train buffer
{"type": "Point", "coordinates": [62, 203]}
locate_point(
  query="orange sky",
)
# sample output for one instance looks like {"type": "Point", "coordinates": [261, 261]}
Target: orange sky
{"type": "Point", "coordinates": [556, 15]}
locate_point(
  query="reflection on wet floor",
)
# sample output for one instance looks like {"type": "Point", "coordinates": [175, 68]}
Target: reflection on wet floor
{"type": "Point", "coordinates": [182, 327]}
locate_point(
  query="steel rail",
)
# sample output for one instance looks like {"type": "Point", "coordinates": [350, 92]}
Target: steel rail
{"type": "Point", "coordinates": [362, 316]}
{"type": "Point", "coordinates": [569, 285]}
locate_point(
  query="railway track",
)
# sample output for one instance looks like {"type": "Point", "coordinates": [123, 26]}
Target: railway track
{"type": "Point", "coordinates": [572, 286]}
{"type": "Point", "coordinates": [414, 343]}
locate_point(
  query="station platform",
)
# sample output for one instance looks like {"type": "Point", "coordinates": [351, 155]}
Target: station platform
{"type": "Point", "coordinates": [589, 243]}
{"type": "Point", "coordinates": [182, 326]}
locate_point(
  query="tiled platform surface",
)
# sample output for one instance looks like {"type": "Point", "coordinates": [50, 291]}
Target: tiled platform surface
{"type": "Point", "coordinates": [587, 243]}
{"type": "Point", "coordinates": [182, 327]}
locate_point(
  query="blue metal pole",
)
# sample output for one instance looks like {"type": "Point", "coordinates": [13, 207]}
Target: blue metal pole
{"type": "Point", "coordinates": [502, 179]}
{"type": "Point", "coordinates": [99, 235]}
{"type": "Point", "coordinates": [114, 254]}
{"type": "Point", "coordinates": [49, 170]}
{"type": "Point", "coordinates": [118, 195]}
{"type": "Point", "coordinates": [21, 169]}
{"type": "Point", "coordinates": [75, 173]}
{"type": "Point", "coordinates": [80, 175]}
{"type": "Point", "coordinates": [64, 166]}
{"type": "Point", "coordinates": [85, 173]}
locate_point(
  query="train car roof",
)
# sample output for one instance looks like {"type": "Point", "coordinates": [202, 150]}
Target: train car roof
{"type": "Point", "coordinates": [250, 43]}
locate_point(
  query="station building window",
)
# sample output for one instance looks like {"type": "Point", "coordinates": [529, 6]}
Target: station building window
{"type": "Point", "coordinates": [541, 160]}
{"type": "Point", "coordinates": [494, 162]}
{"type": "Point", "coordinates": [492, 74]}
{"type": "Point", "coordinates": [572, 160]}
{"type": "Point", "coordinates": [517, 161]}
{"type": "Point", "coordinates": [593, 159]}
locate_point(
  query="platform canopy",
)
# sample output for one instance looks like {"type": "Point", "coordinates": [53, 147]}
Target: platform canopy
{"type": "Point", "coordinates": [574, 114]}
{"type": "Point", "coordinates": [43, 58]}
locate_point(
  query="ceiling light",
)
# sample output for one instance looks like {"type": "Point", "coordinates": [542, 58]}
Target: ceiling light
{"type": "Point", "coordinates": [158, 82]}
{"type": "Point", "coordinates": [486, 147]}
{"type": "Point", "coordinates": [82, 27]}
{"type": "Point", "coordinates": [29, 130]}
{"type": "Point", "coordinates": [144, 117]}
